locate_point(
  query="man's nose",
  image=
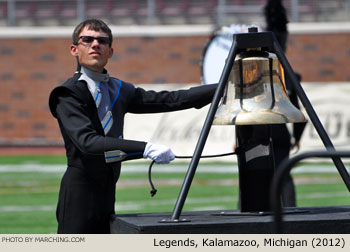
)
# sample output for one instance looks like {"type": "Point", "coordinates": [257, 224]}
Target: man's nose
{"type": "Point", "coordinates": [95, 43]}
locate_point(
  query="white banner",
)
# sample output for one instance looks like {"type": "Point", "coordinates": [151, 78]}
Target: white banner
{"type": "Point", "coordinates": [180, 130]}
{"type": "Point", "coordinates": [331, 102]}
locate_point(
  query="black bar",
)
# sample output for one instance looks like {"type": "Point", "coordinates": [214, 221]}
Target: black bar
{"type": "Point", "coordinates": [280, 175]}
{"type": "Point", "coordinates": [205, 131]}
{"type": "Point", "coordinates": [312, 114]}
{"type": "Point", "coordinates": [254, 40]}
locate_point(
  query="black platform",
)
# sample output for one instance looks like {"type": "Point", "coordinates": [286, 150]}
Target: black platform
{"type": "Point", "coordinates": [306, 220]}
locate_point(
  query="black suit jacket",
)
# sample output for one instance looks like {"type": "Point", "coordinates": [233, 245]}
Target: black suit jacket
{"type": "Point", "coordinates": [87, 193]}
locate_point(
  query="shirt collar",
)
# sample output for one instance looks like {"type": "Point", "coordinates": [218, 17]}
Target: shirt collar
{"type": "Point", "coordinates": [96, 76]}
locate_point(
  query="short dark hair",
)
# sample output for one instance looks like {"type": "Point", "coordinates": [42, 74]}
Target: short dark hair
{"type": "Point", "coordinates": [92, 24]}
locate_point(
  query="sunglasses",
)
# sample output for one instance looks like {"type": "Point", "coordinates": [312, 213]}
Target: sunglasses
{"type": "Point", "coordinates": [90, 39]}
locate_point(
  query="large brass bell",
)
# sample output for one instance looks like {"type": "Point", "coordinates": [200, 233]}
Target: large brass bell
{"type": "Point", "coordinates": [254, 93]}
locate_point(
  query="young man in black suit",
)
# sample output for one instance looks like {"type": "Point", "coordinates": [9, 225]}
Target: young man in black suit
{"type": "Point", "coordinates": [90, 109]}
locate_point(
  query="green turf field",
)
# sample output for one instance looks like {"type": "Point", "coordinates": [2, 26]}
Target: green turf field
{"type": "Point", "coordinates": [29, 190]}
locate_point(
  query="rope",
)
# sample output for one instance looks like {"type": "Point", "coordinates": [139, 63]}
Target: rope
{"type": "Point", "coordinates": [154, 190]}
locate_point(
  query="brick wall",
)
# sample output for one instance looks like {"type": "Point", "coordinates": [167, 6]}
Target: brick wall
{"type": "Point", "coordinates": [320, 57]}
{"type": "Point", "coordinates": [31, 67]}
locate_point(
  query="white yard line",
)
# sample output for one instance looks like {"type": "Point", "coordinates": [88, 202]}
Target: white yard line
{"type": "Point", "coordinates": [172, 168]}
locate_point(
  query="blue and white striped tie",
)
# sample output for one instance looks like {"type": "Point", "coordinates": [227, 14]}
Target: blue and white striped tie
{"type": "Point", "coordinates": [103, 103]}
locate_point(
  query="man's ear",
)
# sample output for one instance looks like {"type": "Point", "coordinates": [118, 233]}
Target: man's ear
{"type": "Point", "coordinates": [111, 51]}
{"type": "Point", "coordinates": [73, 50]}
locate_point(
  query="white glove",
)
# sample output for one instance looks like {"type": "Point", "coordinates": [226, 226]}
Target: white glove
{"type": "Point", "coordinates": [159, 153]}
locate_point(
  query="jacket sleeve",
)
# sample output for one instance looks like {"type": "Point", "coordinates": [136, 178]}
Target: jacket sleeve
{"type": "Point", "coordinates": [142, 101]}
{"type": "Point", "coordinates": [75, 121]}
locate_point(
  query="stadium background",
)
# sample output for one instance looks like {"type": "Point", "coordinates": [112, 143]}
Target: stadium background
{"type": "Point", "coordinates": [156, 42]}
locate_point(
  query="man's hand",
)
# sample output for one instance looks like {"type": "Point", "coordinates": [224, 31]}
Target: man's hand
{"type": "Point", "coordinates": [159, 153]}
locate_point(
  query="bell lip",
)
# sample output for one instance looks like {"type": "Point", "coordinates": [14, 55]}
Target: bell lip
{"type": "Point", "coordinates": [260, 118]}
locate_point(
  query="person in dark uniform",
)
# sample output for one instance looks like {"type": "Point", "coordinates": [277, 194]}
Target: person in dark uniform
{"type": "Point", "coordinates": [90, 109]}
{"type": "Point", "coordinates": [282, 140]}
